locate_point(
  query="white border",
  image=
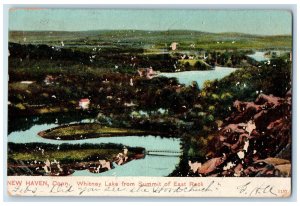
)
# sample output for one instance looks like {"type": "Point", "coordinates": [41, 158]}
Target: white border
{"type": "Point", "coordinates": [82, 4]}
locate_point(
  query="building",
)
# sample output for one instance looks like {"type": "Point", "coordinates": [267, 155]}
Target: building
{"type": "Point", "coordinates": [84, 103]}
{"type": "Point", "coordinates": [27, 82]}
{"type": "Point", "coordinates": [130, 104]}
{"type": "Point", "coordinates": [174, 46]}
{"type": "Point", "coordinates": [149, 73]}
{"type": "Point", "coordinates": [131, 82]}
{"type": "Point", "coordinates": [49, 79]}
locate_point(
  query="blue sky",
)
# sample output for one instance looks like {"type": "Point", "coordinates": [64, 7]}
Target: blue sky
{"type": "Point", "coordinates": [264, 22]}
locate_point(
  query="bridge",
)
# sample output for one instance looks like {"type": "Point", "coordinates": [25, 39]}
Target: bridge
{"type": "Point", "coordinates": [163, 152]}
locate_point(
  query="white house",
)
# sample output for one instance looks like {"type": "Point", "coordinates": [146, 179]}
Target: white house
{"type": "Point", "coordinates": [26, 82]}
{"type": "Point", "coordinates": [84, 103]}
{"type": "Point", "coordinates": [131, 82]}
{"type": "Point", "coordinates": [49, 79]}
{"type": "Point", "coordinates": [174, 46]}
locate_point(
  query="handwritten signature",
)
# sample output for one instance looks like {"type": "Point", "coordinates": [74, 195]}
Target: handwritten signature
{"type": "Point", "coordinates": [252, 189]}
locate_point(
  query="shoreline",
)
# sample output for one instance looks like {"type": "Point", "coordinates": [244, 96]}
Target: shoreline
{"type": "Point", "coordinates": [88, 135]}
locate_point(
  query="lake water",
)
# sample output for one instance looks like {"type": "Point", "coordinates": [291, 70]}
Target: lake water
{"type": "Point", "coordinates": [200, 77]}
{"type": "Point", "coordinates": [153, 166]}
{"type": "Point", "coordinates": [259, 56]}
{"type": "Point", "coordinates": [148, 166]}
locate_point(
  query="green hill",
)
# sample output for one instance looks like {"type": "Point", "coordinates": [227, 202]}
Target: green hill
{"type": "Point", "coordinates": [153, 40]}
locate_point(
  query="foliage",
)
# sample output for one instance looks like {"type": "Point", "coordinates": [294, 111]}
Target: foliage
{"type": "Point", "coordinates": [217, 97]}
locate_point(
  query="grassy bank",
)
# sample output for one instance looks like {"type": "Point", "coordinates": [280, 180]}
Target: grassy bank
{"type": "Point", "coordinates": [84, 131]}
{"type": "Point", "coordinates": [61, 160]}
{"type": "Point", "coordinates": [66, 155]}
{"type": "Point", "coordinates": [67, 152]}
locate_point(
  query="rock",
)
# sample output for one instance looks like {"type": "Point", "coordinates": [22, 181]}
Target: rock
{"type": "Point", "coordinates": [284, 169]}
{"type": "Point", "coordinates": [250, 127]}
{"type": "Point", "coordinates": [80, 166]}
{"type": "Point", "coordinates": [232, 128]}
{"type": "Point", "coordinates": [268, 100]}
{"type": "Point", "coordinates": [238, 169]}
{"type": "Point", "coordinates": [210, 165]}
{"type": "Point", "coordinates": [274, 161]}
{"type": "Point", "coordinates": [194, 166]}
{"type": "Point", "coordinates": [241, 154]}
{"type": "Point", "coordinates": [276, 123]}
{"type": "Point", "coordinates": [256, 138]}
{"type": "Point", "coordinates": [105, 164]}
{"type": "Point", "coordinates": [285, 153]}
{"type": "Point", "coordinates": [267, 171]}
{"type": "Point", "coordinates": [228, 166]}
{"type": "Point", "coordinates": [222, 138]}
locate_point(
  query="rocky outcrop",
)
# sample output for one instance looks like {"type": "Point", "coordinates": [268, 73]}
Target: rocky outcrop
{"type": "Point", "coordinates": [254, 141]}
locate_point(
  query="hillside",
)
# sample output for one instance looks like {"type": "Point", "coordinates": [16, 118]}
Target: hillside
{"type": "Point", "coordinates": [254, 141]}
{"type": "Point", "coordinates": [151, 40]}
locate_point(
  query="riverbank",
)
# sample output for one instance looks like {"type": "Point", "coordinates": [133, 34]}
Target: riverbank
{"type": "Point", "coordinates": [53, 160]}
{"type": "Point", "coordinates": [147, 165]}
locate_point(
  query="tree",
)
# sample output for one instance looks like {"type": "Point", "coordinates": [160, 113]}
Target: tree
{"type": "Point", "coordinates": [200, 66]}
{"type": "Point", "coordinates": [187, 66]}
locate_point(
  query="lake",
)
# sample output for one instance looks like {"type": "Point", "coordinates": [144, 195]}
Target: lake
{"type": "Point", "coordinates": [258, 56]}
{"type": "Point", "coordinates": [200, 77]}
{"type": "Point", "coordinates": [149, 166]}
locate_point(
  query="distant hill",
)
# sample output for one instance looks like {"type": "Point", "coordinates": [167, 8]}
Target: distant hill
{"type": "Point", "coordinates": [154, 39]}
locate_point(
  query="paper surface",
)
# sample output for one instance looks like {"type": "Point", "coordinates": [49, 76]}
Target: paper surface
{"type": "Point", "coordinates": [149, 187]}
{"type": "Point", "coordinates": [159, 103]}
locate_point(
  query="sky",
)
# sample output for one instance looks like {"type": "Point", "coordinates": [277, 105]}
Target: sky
{"type": "Point", "coordinates": [261, 22]}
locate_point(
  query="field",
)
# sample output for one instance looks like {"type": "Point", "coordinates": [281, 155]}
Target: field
{"type": "Point", "coordinates": [154, 40]}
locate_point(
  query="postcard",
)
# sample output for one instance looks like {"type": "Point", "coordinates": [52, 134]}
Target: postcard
{"type": "Point", "coordinates": [149, 102]}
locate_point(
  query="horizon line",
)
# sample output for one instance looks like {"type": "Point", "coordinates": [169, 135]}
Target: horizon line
{"type": "Point", "coordinates": [233, 32]}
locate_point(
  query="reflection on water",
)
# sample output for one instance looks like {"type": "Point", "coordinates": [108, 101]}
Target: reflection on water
{"type": "Point", "coordinates": [200, 76]}
{"type": "Point", "coordinates": [149, 166]}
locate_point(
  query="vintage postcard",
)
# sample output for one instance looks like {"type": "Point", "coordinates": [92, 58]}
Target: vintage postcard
{"type": "Point", "coordinates": [156, 103]}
